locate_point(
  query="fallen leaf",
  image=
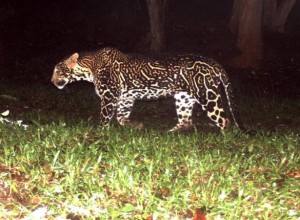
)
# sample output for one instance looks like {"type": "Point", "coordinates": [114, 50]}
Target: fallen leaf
{"type": "Point", "coordinates": [295, 174]}
{"type": "Point", "coordinates": [35, 200]}
{"type": "Point", "coordinates": [5, 113]}
{"type": "Point", "coordinates": [47, 168]}
{"type": "Point", "coordinates": [8, 97]}
{"type": "Point", "coordinates": [106, 165]}
{"type": "Point", "coordinates": [163, 192]}
{"type": "Point", "coordinates": [199, 215]}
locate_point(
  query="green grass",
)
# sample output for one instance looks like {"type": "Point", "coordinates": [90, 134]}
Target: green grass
{"type": "Point", "coordinates": [64, 166]}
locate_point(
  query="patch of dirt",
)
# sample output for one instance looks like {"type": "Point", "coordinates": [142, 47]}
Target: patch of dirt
{"type": "Point", "coordinates": [13, 186]}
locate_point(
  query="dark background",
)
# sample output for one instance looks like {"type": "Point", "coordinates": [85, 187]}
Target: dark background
{"type": "Point", "coordinates": [35, 35]}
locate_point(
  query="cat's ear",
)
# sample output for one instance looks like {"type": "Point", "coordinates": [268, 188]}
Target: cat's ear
{"type": "Point", "coordinates": [72, 60]}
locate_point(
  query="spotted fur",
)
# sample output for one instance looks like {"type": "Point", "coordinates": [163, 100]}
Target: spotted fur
{"type": "Point", "coordinates": [121, 79]}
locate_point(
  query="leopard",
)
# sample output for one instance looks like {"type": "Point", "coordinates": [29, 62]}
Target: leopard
{"type": "Point", "coordinates": [120, 79]}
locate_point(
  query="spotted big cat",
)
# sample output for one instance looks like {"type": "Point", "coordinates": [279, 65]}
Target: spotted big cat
{"type": "Point", "coordinates": [120, 79]}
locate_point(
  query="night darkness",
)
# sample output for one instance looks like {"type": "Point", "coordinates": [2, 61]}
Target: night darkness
{"type": "Point", "coordinates": [35, 35]}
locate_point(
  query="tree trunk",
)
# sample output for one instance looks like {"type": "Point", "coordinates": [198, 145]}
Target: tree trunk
{"type": "Point", "coordinates": [249, 33]}
{"type": "Point", "coordinates": [281, 15]}
{"type": "Point", "coordinates": [157, 18]}
{"type": "Point", "coordinates": [235, 17]}
{"type": "Point", "coordinates": [269, 12]}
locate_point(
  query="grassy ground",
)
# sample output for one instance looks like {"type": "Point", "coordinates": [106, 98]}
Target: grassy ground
{"type": "Point", "coordinates": [64, 166]}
